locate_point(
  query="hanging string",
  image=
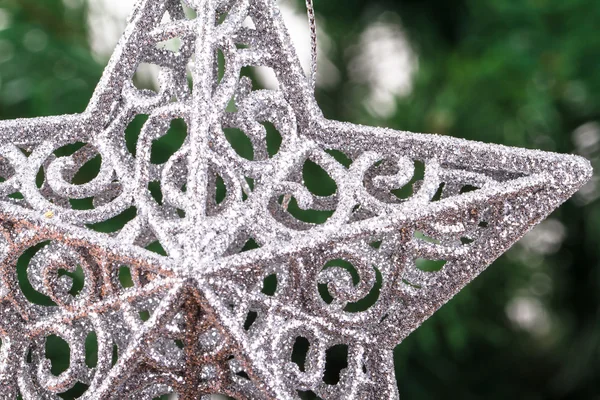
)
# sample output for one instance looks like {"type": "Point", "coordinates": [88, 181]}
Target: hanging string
{"type": "Point", "coordinates": [313, 36]}
{"type": "Point", "coordinates": [313, 69]}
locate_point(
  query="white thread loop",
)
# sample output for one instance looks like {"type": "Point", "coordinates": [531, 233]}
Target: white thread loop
{"type": "Point", "coordinates": [313, 36]}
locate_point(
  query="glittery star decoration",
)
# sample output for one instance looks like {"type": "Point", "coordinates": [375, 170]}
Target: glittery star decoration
{"type": "Point", "coordinates": [415, 217]}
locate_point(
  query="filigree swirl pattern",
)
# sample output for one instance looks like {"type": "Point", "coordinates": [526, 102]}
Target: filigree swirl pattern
{"type": "Point", "coordinates": [219, 266]}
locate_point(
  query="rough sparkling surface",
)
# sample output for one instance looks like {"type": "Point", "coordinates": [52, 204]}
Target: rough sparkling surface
{"type": "Point", "coordinates": [199, 321]}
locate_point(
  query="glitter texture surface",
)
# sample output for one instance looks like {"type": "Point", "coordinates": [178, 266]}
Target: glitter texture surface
{"type": "Point", "coordinates": [201, 319]}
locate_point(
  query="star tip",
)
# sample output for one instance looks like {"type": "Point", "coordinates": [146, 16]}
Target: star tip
{"type": "Point", "coordinates": [582, 169]}
{"type": "Point", "coordinates": [574, 172]}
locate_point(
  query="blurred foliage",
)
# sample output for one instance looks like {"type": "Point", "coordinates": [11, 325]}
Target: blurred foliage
{"type": "Point", "coordinates": [517, 72]}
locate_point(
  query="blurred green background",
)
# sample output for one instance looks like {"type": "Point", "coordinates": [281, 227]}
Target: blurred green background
{"type": "Point", "coordinates": [517, 72]}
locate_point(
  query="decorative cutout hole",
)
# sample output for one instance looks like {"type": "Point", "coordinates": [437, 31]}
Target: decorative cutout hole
{"type": "Point", "coordinates": [308, 395]}
{"type": "Point", "coordinates": [88, 171]}
{"type": "Point", "coordinates": [439, 192]}
{"type": "Point", "coordinates": [155, 191]}
{"type": "Point", "coordinates": [429, 265]}
{"type": "Point", "coordinates": [115, 223]}
{"type": "Point", "coordinates": [82, 204]}
{"type": "Point", "coordinates": [132, 132]}
{"type": "Point", "coordinates": [58, 352]}
{"type": "Point", "coordinates": [240, 143]}
{"type": "Point", "coordinates": [144, 315]}
{"type": "Point", "coordinates": [164, 147]}
{"type": "Point", "coordinates": [75, 392]}
{"type": "Point", "coordinates": [30, 293]}
{"type": "Point", "coordinates": [468, 188]}
{"type": "Point", "coordinates": [324, 293]}
{"type": "Point", "coordinates": [317, 180]}
{"type": "Point", "coordinates": [270, 285]}
{"type": "Point", "coordinates": [91, 350]}
{"type": "Point", "coordinates": [266, 78]}
{"type": "Point", "coordinates": [39, 178]}
{"type": "Point", "coordinates": [376, 244]}
{"type": "Point", "coordinates": [189, 12]}
{"type": "Point", "coordinates": [243, 375]}
{"type": "Point", "coordinates": [274, 139]}
{"type": "Point", "coordinates": [250, 182]}
{"type": "Point", "coordinates": [370, 299]}
{"type": "Point", "coordinates": [250, 245]}
{"type": "Point", "coordinates": [300, 352]}
{"type": "Point", "coordinates": [465, 240]}
{"type": "Point", "coordinates": [250, 320]}
{"type": "Point", "coordinates": [220, 190]}
{"type": "Point", "coordinates": [157, 248]}
{"type": "Point", "coordinates": [115, 355]}
{"type": "Point", "coordinates": [173, 45]}
{"type": "Point", "coordinates": [220, 65]}
{"type": "Point", "coordinates": [125, 277]}
{"type": "Point", "coordinates": [77, 279]}
{"type": "Point", "coordinates": [336, 360]}
{"type": "Point", "coordinates": [68, 149]}
{"type": "Point", "coordinates": [420, 235]}
{"type": "Point", "coordinates": [411, 284]}
{"type": "Point", "coordinates": [340, 157]}
{"type": "Point", "coordinates": [16, 196]}
{"type": "Point", "coordinates": [308, 216]}
{"type": "Point", "coordinates": [408, 190]}
{"type": "Point", "coordinates": [146, 76]}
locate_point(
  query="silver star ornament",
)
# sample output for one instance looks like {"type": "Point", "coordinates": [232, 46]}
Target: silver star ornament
{"type": "Point", "coordinates": [245, 278]}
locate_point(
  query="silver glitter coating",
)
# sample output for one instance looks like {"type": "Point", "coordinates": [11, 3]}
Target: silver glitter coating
{"type": "Point", "coordinates": [199, 320]}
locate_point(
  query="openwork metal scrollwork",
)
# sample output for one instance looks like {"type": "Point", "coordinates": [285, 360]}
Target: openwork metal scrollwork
{"type": "Point", "coordinates": [245, 275]}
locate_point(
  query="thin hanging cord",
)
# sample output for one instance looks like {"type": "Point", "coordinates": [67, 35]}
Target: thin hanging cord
{"type": "Point", "coordinates": [313, 36]}
{"type": "Point", "coordinates": [313, 69]}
